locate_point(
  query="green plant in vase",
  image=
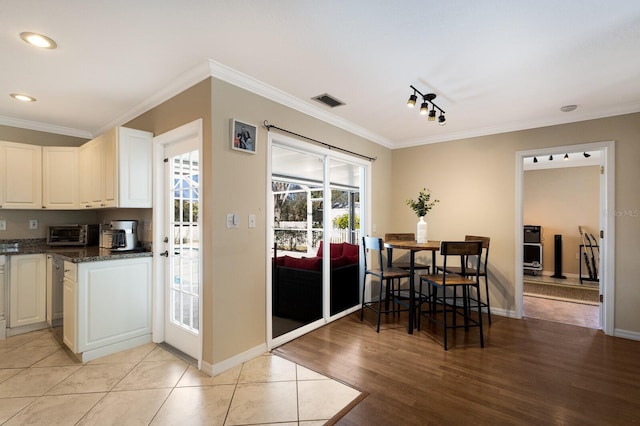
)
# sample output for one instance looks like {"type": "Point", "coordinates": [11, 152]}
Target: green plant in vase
{"type": "Point", "coordinates": [421, 207]}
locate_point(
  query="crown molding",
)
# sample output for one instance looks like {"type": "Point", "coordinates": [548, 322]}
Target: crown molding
{"type": "Point", "coordinates": [523, 125]}
{"type": "Point", "coordinates": [211, 68]}
{"type": "Point", "coordinates": [232, 76]}
{"type": "Point", "coordinates": [43, 127]}
{"type": "Point", "coordinates": [176, 86]}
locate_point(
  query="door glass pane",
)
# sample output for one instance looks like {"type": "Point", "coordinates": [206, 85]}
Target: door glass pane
{"type": "Point", "coordinates": [185, 244]}
{"type": "Point", "coordinates": [297, 191]}
{"type": "Point", "coordinates": [345, 181]}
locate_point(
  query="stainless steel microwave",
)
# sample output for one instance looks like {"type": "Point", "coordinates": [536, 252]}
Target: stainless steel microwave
{"type": "Point", "coordinates": [73, 235]}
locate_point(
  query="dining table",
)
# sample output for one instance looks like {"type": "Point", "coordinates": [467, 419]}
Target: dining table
{"type": "Point", "coordinates": [413, 247]}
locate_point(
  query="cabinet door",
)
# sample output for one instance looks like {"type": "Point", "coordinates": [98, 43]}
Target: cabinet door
{"type": "Point", "coordinates": [60, 177]}
{"type": "Point", "coordinates": [110, 152]}
{"type": "Point", "coordinates": [90, 174]}
{"type": "Point", "coordinates": [21, 175]}
{"type": "Point", "coordinates": [70, 325]}
{"type": "Point", "coordinates": [3, 306]}
{"type": "Point", "coordinates": [135, 166]}
{"type": "Point", "coordinates": [27, 290]}
{"type": "Point", "coordinates": [114, 302]}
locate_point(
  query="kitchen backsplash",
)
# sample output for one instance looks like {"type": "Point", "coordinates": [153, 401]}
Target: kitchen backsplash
{"type": "Point", "coordinates": [18, 221]}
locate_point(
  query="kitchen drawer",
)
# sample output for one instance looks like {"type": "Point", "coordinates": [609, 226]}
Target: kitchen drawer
{"type": "Point", "coordinates": [70, 271]}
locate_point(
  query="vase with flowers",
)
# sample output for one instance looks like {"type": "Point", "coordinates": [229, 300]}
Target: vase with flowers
{"type": "Point", "coordinates": [421, 207]}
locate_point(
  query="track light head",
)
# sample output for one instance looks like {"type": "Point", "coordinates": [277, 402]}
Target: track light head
{"type": "Point", "coordinates": [412, 100]}
{"type": "Point", "coordinates": [432, 114]}
{"type": "Point", "coordinates": [586, 154]}
{"type": "Point", "coordinates": [551, 158]}
{"type": "Point", "coordinates": [566, 156]}
{"type": "Point", "coordinates": [535, 159]}
{"type": "Point", "coordinates": [441, 120]}
{"type": "Point", "coordinates": [424, 108]}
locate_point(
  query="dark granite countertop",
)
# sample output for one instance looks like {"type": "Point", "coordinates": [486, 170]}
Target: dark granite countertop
{"type": "Point", "coordinates": [70, 254]}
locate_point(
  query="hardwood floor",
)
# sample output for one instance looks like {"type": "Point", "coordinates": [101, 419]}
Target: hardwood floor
{"type": "Point", "coordinates": [530, 372]}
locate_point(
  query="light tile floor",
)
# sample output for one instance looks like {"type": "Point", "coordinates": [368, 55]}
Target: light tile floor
{"type": "Point", "coordinates": [41, 384]}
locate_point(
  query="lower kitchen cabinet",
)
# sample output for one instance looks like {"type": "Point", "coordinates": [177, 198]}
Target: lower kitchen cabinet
{"type": "Point", "coordinates": [70, 306]}
{"type": "Point", "coordinates": [107, 307]}
{"type": "Point", "coordinates": [27, 290]}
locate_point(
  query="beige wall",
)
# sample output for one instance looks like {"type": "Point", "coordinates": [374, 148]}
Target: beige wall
{"type": "Point", "coordinates": [35, 137]}
{"type": "Point", "coordinates": [560, 200]}
{"type": "Point", "coordinates": [239, 256]}
{"type": "Point", "coordinates": [475, 179]}
{"type": "Point", "coordinates": [235, 272]}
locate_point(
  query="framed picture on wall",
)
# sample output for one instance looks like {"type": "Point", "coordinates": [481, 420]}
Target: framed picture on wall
{"type": "Point", "coordinates": [243, 136]}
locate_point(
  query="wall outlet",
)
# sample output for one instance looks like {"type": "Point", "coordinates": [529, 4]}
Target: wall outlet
{"type": "Point", "coordinates": [3, 225]}
{"type": "Point", "coordinates": [33, 224]}
{"type": "Point", "coordinates": [252, 221]}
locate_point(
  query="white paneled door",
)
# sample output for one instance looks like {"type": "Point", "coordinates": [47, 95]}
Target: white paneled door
{"type": "Point", "coordinates": [181, 244]}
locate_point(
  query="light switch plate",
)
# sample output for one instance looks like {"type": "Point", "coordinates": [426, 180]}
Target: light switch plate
{"type": "Point", "coordinates": [3, 225]}
{"type": "Point", "coordinates": [252, 221]}
{"type": "Point", "coordinates": [233, 220]}
{"type": "Point", "coordinates": [33, 224]}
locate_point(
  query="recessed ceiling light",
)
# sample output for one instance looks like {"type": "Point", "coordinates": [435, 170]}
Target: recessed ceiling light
{"type": "Point", "coordinates": [38, 40]}
{"type": "Point", "coordinates": [568, 108]}
{"type": "Point", "coordinates": [23, 98]}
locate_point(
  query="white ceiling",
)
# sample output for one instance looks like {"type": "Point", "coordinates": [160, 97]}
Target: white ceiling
{"type": "Point", "coordinates": [495, 65]}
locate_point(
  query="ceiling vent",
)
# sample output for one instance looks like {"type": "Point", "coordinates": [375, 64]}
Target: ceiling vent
{"type": "Point", "coordinates": [328, 100]}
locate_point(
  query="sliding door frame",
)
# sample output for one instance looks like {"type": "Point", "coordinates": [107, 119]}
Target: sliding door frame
{"type": "Point", "coordinates": [365, 208]}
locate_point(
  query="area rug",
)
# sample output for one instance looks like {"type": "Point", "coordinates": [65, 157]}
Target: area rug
{"type": "Point", "coordinates": [588, 295]}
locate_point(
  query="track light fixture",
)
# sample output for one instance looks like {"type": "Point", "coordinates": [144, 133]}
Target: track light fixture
{"type": "Point", "coordinates": [566, 156]}
{"type": "Point", "coordinates": [424, 106]}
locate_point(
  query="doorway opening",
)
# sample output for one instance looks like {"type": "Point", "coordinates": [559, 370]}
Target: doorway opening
{"type": "Point", "coordinates": [560, 200]}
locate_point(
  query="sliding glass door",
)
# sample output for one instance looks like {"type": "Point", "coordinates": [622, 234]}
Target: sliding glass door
{"type": "Point", "coordinates": [316, 210]}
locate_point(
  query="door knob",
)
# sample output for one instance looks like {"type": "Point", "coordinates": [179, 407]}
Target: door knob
{"type": "Point", "coordinates": [165, 254]}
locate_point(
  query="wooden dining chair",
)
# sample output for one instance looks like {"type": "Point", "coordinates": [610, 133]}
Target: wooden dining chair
{"type": "Point", "coordinates": [442, 306]}
{"type": "Point", "coordinates": [479, 265]}
{"type": "Point", "coordinates": [402, 264]}
{"type": "Point", "coordinates": [386, 277]}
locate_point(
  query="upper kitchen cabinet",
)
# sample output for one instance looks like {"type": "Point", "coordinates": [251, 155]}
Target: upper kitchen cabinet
{"type": "Point", "coordinates": [115, 170]}
{"type": "Point", "coordinates": [20, 176]}
{"type": "Point", "coordinates": [60, 178]}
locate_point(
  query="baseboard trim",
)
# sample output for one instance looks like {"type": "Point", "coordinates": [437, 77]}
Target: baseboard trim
{"type": "Point", "coordinates": [626, 334]}
{"type": "Point", "coordinates": [227, 364]}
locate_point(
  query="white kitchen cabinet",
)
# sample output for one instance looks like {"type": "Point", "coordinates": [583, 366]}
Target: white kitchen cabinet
{"type": "Point", "coordinates": [115, 170]}
{"type": "Point", "coordinates": [60, 178]}
{"type": "Point", "coordinates": [3, 306]}
{"type": "Point", "coordinates": [91, 173]}
{"type": "Point", "coordinates": [20, 176]}
{"type": "Point", "coordinates": [27, 290]}
{"type": "Point", "coordinates": [70, 306]}
{"type": "Point", "coordinates": [107, 308]}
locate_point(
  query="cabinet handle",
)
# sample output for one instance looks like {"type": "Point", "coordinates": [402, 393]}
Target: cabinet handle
{"type": "Point", "coordinates": [165, 254]}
